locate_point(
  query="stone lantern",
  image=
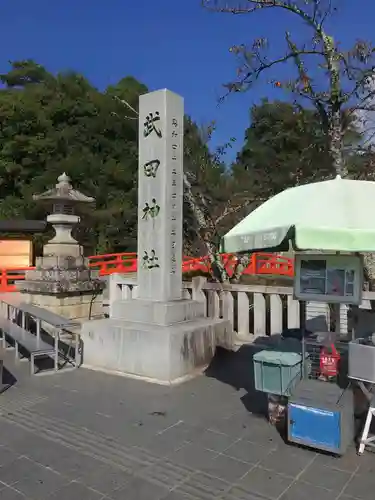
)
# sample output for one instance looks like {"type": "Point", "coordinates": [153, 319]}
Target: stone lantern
{"type": "Point", "coordinates": [62, 280]}
{"type": "Point", "coordinates": [64, 200]}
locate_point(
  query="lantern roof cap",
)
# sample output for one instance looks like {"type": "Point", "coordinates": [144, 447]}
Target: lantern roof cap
{"type": "Point", "coordinates": [63, 192]}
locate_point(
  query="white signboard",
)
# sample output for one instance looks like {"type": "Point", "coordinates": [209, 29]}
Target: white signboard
{"type": "Point", "coordinates": [328, 278]}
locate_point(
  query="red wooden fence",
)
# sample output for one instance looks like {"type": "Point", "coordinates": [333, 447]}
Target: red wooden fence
{"type": "Point", "coordinates": [260, 263]}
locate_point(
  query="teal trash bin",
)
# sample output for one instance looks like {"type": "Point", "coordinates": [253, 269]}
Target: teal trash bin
{"type": "Point", "coordinates": [277, 372]}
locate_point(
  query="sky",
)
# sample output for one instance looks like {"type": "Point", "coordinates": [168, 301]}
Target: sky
{"type": "Point", "coordinates": [173, 44]}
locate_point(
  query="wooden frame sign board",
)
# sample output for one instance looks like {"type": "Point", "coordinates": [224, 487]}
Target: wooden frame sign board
{"type": "Point", "coordinates": [16, 253]}
{"type": "Point", "coordinates": [328, 278]}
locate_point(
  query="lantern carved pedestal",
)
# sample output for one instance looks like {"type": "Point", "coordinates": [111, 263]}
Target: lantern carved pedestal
{"type": "Point", "coordinates": [62, 281]}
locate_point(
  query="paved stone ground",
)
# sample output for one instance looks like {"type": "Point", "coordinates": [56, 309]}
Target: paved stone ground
{"type": "Point", "coordinates": [84, 435]}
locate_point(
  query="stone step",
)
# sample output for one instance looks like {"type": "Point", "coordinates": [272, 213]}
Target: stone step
{"type": "Point", "coordinates": [152, 327]}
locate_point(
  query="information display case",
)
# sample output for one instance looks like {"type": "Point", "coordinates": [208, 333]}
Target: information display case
{"type": "Point", "coordinates": [328, 278]}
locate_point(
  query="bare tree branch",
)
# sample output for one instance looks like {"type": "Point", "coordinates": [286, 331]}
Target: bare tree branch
{"type": "Point", "coordinates": [346, 73]}
{"type": "Point", "coordinates": [229, 211]}
{"type": "Point", "coordinates": [352, 67]}
{"type": "Point", "coordinates": [204, 233]}
{"type": "Point", "coordinates": [125, 103]}
{"type": "Point", "coordinates": [224, 6]}
{"type": "Point", "coordinates": [253, 73]}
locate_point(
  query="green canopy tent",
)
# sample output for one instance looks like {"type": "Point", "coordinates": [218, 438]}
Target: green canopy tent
{"type": "Point", "coordinates": [337, 215]}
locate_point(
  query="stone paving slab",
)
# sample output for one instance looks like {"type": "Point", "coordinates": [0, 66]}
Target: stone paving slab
{"type": "Point", "coordinates": [87, 435]}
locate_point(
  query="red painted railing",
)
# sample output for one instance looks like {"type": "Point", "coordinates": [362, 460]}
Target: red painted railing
{"type": "Point", "coordinates": [114, 263]}
{"type": "Point", "coordinates": [260, 263]}
{"type": "Point", "coordinates": [9, 276]}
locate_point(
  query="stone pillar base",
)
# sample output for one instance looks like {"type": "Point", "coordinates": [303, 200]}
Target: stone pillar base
{"type": "Point", "coordinates": [160, 313]}
{"type": "Point", "coordinates": [164, 354]}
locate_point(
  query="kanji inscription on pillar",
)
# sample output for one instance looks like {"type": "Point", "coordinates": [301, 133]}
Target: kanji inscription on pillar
{"type": "Point", "coordinates": [160, 196]}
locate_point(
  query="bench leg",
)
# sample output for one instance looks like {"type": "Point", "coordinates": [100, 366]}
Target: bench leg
{"type": "Point", "coordinates": [4, 309]}
{"type": "Point", "coordinates": [38, 329]}
{"type": "Point", "coordinates": [13, 314]}
{"type": "Point", "coordinates": [32, 364]}
{"type": "Point", "coordinates": [4, 339]}
{"type": "Point", "coordinates": [77, 351]}
{"type": "Point", "coordinates": [16, 352]}
{"type": "Point", "coordinates": [57, 335]}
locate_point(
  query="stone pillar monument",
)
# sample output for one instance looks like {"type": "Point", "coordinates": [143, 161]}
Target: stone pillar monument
{"type": "Point", "coordinates": [160, 204]}
{"type": "Point", "coordinates": [62, 280]}
{"type": "Point", "coordinates": [158, 335]}
{"type": "Point", "coordinates": [160, 196]}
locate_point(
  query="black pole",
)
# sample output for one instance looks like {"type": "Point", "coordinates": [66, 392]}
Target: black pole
{"type": "Point", "coordinates": [303, 337]}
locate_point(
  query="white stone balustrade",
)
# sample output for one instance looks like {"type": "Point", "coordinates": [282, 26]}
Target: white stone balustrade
{"type": "Point", "coordinates": [254, 310]}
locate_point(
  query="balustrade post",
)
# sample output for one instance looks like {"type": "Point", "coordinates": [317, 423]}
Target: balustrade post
{"type": "Point", "coordinates": [259, 315]}
{"type": "Point", "coordinates": [213, 304]}
{"type": "Point", "coordinates": [115, 292]}
{"type": "Point", "coordinates": [276, 312]}
{"type": "Point", "coordinates": [293, 313]}
{"type": "Point", "coordinates": [198, 294]}
{"type": "Point", "coordinates": [243, 323]}
{"type": "Point", "coordinates": [228, 306]}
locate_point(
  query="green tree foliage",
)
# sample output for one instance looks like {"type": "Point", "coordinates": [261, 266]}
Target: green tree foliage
{"type": "Point", "coordinates": [327, 77]}
{"type": "Point", "coordinates": [209, 182]}
{"type": "Point", "coordinates": [285, 146]}
{"type": "Point", "coordinates": [61, 123]}
{"type": "Point", "coordinates": [333, 80]}
{"type": "Point", "coordinates": [54, 124]}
